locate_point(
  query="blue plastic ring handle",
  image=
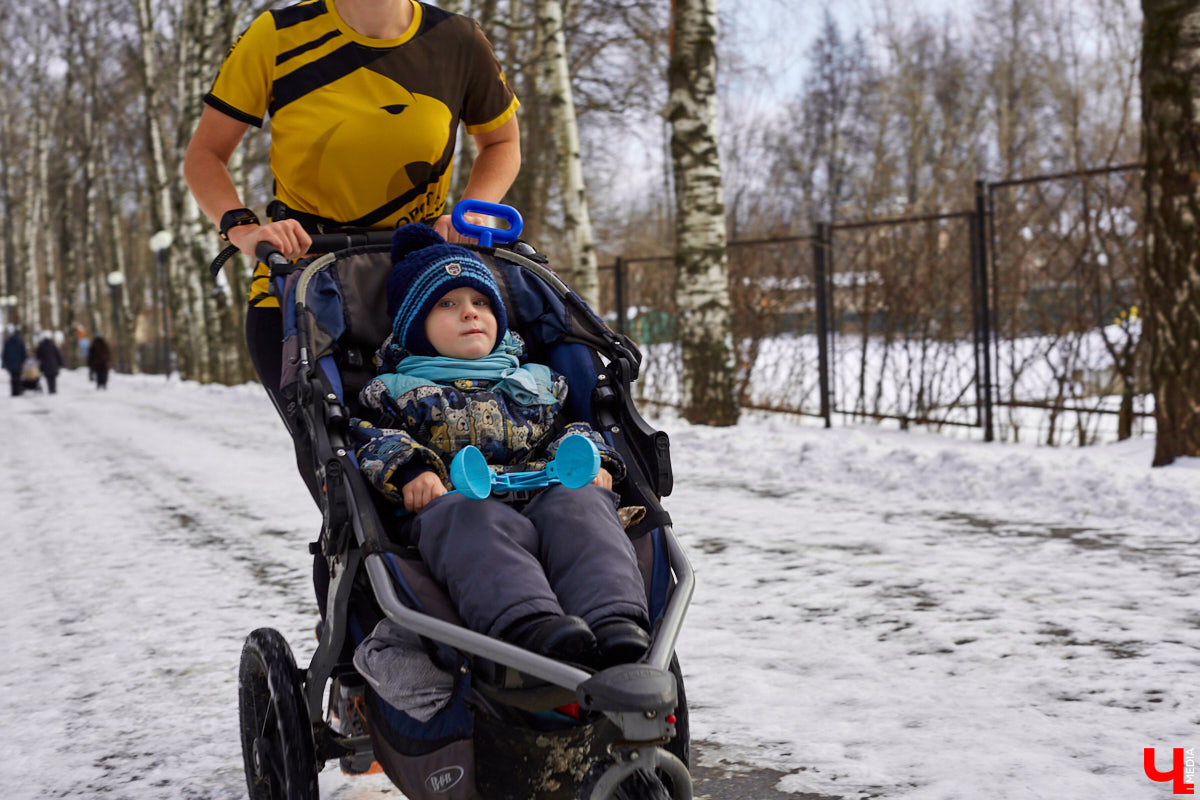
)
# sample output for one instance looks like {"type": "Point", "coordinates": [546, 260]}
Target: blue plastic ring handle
{"type": "Point", "coordinates": [470, 474]}
{"type": "Point", "coordinates": [576, 462]}
{"type": "Point", "coordinates": [484, 234]}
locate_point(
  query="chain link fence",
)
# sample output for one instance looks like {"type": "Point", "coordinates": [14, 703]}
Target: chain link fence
{"type": "Point", "coordinates": [1018, 317]}
{"type": "Point", "coordinates": [1066, 256]}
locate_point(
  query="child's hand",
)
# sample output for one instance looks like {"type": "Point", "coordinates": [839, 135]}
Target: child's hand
{"type": "Point", "coordinates": [421, 490]}
{"type": "Point", "coordinates": [603, 479]}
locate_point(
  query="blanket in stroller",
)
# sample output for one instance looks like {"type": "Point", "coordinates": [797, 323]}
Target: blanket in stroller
{"type": "Point", "coordinates": [397, 666]}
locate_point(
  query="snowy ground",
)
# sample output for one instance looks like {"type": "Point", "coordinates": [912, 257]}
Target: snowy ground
{"type": "Point", "coordinates": [882, 614]}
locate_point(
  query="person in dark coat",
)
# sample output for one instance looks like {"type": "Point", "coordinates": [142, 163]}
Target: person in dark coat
{"type": "Point", "coordinates": [14, 357]}
{"type": "Point", "coordinates": [50, 359]}
{"type": "Point", "coordinates": [99, 359]}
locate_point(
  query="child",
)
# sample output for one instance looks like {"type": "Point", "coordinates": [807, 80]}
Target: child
{"type": "Point", "coordinates": [557, 576]}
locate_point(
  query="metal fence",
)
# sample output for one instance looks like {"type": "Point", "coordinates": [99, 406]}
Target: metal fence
{"type": "Point", "coordinates": [1017, 317]}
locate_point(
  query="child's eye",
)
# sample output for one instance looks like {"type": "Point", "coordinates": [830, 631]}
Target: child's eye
{"type": "Point", "coordinates": [481, 301]}
{"type": "Point", "coordinates": [445, 304]}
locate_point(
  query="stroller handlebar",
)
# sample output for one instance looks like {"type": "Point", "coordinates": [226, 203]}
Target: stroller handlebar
{"type": "Point", "coordinates": [332, 242]}
{"type": "Point", "coordinates": [322, 243]}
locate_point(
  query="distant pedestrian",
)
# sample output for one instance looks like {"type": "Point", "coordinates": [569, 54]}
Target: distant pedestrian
{"type": "Point", "coordinates": [14, 357]}
{"type": "Point", "coordinates": [82, 343]}
{"type": "Point", "coordinates": [99, 359]}
{"type": "Point", "coordinates": [50, 359]}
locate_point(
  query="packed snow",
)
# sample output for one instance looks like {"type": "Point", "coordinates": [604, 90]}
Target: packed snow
{"type": "Point", "coordinates": [878, 613]}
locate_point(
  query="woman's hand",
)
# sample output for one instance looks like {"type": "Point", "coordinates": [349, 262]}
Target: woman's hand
{"type": "Point", "coordinates": [421, 490]}
{"type": "Point", "coordinates": [286, 235]}
{"type": "Point", "coordinates": [444, 225]}
{"type": "Point", "coordinates": [603, 479]}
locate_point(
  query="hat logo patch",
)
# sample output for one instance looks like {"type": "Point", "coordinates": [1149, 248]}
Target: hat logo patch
{"type": "Point", "coordinates": [454, 269]}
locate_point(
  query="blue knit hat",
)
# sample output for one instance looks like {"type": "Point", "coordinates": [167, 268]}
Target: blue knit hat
{"type": "Point", "coordinates": [425, 268]}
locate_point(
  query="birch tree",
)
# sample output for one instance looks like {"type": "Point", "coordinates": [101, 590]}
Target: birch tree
{"type": "Point", "coordinates": [36, 220]}
{"type": "Point", "coordinates": [1171, 120]}
{"type": "Point", "coordinates": [701, 268]}
{"type": "Point", "coordinates": [161, 207]}
{"type": "Point", "coordinates": [556, 77]}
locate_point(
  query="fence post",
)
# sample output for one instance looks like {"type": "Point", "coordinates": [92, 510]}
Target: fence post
{"type": "Point", "coordinates": [619, 291]}
{"type": "Point", "coordinates": [821, 246]}
{"type": "Point", "coordinates": [982, 302]}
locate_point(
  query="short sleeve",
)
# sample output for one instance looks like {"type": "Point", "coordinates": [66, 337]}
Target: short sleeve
{"type": "Point", "coordinates": [489, 101]}
{"type": "Point", "coordinates": [242, 88]}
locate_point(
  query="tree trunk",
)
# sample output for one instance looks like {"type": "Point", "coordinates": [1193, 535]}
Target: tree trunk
{"type": "Point", "coordinates": [35, 224]}
{"type": "Point", "coordinates": [701, 279]}
{"type": "Point", "coordinates": [202, 38]}
{"type": "Point", "coordinates": [1171, 143]}
{"type": "Point", "coordinates": [8, 251]}
{"type": "Point", "coordinates": [556, 78]}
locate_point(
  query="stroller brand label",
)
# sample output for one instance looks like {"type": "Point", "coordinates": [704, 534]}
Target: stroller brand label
{"type": "Point", "coordinates": [1183, 769]}
{"type": "Point", "coordinates": [444, 779]}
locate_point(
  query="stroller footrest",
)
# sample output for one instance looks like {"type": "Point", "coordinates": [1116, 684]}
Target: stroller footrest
{"type": "Point", "coordinates": [629, 687]}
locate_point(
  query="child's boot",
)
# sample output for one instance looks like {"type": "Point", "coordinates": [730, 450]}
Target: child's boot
{"type": "Point", "coordinates": [620, 640]}
{"type": "Point", "coordinates": [557, 636]}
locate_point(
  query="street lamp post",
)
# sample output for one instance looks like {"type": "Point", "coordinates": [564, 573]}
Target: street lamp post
{"type": "Point", "coordinates": [160, 243]}
{"type": "Point", "coordinates": [115, 279]}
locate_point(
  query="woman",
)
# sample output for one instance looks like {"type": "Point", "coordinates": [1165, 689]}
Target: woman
{"type": "Point", "coordinates": [365, 99]}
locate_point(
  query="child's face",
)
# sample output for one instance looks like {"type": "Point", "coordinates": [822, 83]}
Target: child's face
{"type": "Point", "coordinates": [462, 325]}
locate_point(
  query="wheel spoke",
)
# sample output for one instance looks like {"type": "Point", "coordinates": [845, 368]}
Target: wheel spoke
{"type": "Point", "coordinates": [269, 754]}
{"type": "Point", "coordinates": [268, 721]}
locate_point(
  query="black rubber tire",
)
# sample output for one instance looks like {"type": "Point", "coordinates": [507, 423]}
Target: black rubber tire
{"type": "Point", "coordinates": [681, 745]}
{"type": "Point", "coordinates": [277, 743]}
{"type": "Point", "coordinates": [642, 785]}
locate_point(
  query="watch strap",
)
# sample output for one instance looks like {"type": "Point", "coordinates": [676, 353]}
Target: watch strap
{"type": "Point", "coordinates": [236, 217]}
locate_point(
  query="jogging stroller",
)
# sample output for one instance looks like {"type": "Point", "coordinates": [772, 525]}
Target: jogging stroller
{"type": "Point", "coordinates": [517, 725]}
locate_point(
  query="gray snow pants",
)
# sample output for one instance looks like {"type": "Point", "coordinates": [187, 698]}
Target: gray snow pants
{"type": "Point", "coordinates": [564, 552]}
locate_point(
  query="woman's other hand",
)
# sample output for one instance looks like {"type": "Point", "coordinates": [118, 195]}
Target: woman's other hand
{"type": "Point", "coordinates": [445, 226]}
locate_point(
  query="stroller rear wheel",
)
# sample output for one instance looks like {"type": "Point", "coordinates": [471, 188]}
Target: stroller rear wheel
{"type": "Point", "coordinates": [277, 743]}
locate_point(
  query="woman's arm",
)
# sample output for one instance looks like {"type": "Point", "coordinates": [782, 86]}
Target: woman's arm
{"type": "Point", "coordinates": [206, 170]}
{"type": "Point", "coordinates": [495, 168]}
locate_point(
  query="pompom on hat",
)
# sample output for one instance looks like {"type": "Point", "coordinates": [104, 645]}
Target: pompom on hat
{"type": "Point", "coordinates": [424, 269]}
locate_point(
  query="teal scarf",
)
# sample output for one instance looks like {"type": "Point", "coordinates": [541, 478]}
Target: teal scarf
{"type": "Point", "coordinates": [530, 385]}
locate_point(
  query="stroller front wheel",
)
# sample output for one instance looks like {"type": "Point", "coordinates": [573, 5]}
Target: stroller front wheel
{"type": "Point", "coordinates": [643, 786]}
{"type": "Point", "coordinates": [277, 743]}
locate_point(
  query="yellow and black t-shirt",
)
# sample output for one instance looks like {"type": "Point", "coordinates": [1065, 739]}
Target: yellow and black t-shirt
{"type": "Point", "coordinates": [362, 130]}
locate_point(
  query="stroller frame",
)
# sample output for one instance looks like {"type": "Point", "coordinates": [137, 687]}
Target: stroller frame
{"type": "Point", "coordinates": [637, 698]}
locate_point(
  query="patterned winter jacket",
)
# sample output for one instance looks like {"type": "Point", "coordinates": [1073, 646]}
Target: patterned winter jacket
{"type": "Point", "coordinates": [425, 426]}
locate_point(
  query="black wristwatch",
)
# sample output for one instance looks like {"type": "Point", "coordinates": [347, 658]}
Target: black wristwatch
{"type": "Point", "coordinates": [236, 217]}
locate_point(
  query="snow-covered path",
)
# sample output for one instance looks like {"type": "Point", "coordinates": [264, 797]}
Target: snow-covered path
{"type": "Point", "coordinates": [140, 559]}
{"type": "Point", "coordinates": [878, 613]}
